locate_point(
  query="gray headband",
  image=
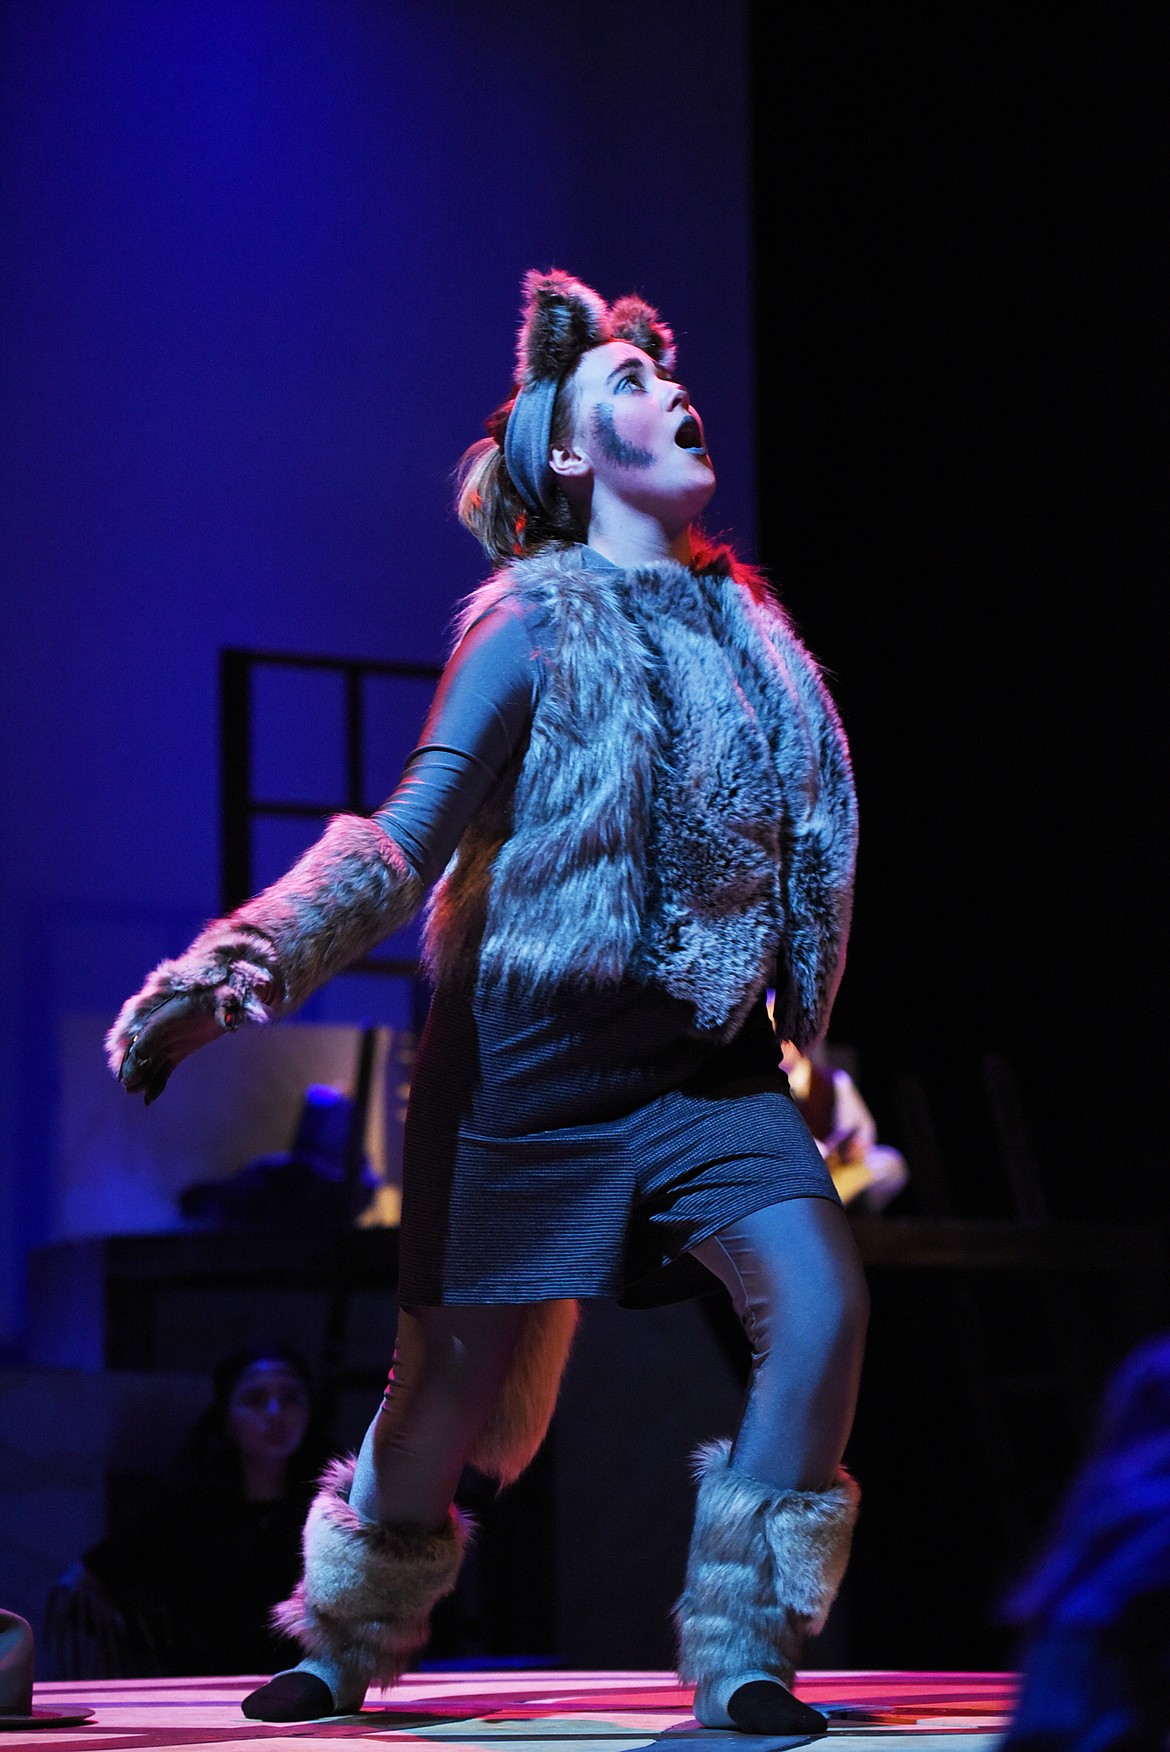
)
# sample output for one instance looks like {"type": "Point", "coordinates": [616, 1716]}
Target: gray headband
{"type": "Point", "coordinates": [526, 441]}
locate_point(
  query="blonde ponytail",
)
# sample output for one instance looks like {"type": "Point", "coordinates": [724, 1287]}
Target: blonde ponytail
{"type": "Point", "coordinates": [488, 504]}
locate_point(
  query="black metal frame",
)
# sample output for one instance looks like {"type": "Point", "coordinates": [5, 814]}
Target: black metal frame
{"type": "Point", "coordinates": [239, 807]}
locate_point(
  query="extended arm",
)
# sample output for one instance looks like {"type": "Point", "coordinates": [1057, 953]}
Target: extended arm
{"type": "Point", "coordinates": [358, 883]}
{"type": "Point", "coordinates": [478, 719]}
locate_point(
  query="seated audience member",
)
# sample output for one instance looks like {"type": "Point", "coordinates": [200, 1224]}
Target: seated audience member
{"type": "Point", "coordinates": [187, 1587]}
{"type": "Point", "coordinates": [1096, 1610]}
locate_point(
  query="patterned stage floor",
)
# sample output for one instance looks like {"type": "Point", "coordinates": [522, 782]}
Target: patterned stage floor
{"type": "Point", "coordinates": [568, 1712]}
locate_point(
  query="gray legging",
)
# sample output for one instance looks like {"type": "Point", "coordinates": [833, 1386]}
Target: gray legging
{"type": "Point", "coordinates": [796, 1281]}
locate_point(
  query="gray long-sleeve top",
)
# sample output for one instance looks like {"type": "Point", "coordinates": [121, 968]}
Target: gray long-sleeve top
{"type": "Point", "coordinates": [480, 713]}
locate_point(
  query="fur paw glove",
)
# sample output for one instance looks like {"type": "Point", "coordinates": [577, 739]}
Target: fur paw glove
{"type": "Point", "coordinates": [351, 889]}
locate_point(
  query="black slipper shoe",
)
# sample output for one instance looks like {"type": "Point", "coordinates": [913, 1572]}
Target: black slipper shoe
{"type": "Point", "coordinates": [765, 1706]}
{"type": "Point", "coordinates": [291, 1697]}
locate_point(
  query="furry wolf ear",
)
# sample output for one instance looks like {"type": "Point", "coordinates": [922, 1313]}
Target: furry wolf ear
{"type": "Point", "coordinates": [633, 320]}
{"type": "Point", "coordinates": [561, 319]}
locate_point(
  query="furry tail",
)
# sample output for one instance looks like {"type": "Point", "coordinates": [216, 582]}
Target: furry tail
{"type": "Point", "coordinates": [509, 1440]}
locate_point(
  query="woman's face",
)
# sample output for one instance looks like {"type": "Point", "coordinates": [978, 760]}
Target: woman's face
{"type": "Point", "coordinates": [638, 434]}
{"type": "Point", "coordinates": [268, 1412]}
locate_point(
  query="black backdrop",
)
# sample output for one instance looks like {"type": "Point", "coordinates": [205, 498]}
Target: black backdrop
{"type": "Point", "coordinates": [961, 309]}
{"type": "Point", "coordinates": [961, 306]}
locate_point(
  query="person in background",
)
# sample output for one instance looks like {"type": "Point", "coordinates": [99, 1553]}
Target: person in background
{"type": "Point", "coordinates": [187, 1587]}
{"type": "Point", "coordinates": [865, 1173]}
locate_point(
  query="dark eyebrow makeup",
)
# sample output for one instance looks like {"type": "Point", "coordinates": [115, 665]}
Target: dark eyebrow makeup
{"type": "Point", "coordinates": [624, 365]}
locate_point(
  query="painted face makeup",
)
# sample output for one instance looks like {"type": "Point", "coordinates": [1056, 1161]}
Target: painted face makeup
{"type": "Point", "coordinates": [644, 439]}
{"type": "Point", "coordinates": [612, 445]}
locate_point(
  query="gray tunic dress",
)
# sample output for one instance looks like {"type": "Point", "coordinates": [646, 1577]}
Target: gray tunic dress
{"type": "Point", "coordinates": [567, 1147]}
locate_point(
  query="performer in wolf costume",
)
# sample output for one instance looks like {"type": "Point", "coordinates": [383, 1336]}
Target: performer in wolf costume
{"type": "Point", "coordinates": [635, 796]}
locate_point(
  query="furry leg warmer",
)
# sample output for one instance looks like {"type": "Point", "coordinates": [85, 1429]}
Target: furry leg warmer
{"type": "Point", "coordinates": [519, 1423]}
{"type": "Point", "coordinates": [763, 1570]}
{"type": "Point", "coordinates": [351, 889]}
{"type": "Point", "coordinates": [363, 1606]}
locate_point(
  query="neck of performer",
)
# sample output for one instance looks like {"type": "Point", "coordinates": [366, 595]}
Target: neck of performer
{"type": "Point", "coordinates": [631, 536]}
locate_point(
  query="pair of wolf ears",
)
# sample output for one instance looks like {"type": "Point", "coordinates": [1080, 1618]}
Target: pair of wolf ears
{"type": "Point", "coordinates": [562, 318]}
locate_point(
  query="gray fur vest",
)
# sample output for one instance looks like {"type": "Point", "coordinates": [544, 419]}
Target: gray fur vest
{"type": "Point", "coordinates": [683, 812]}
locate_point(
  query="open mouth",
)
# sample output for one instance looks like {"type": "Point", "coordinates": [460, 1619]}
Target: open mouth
{"type": "Point", "coordinates": [690, 436]}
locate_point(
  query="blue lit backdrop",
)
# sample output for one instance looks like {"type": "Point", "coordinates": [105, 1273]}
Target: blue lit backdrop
{"type": "Point", "coordinates": [263, 263]}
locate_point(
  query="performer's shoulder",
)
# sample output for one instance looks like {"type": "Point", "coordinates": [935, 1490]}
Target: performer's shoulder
{"type": "Point", "coordinates": [535, 577]}
{"type": "Point", "coordinates": [526, 590]}
{"type": "Point", "coordinates": [720, 559]}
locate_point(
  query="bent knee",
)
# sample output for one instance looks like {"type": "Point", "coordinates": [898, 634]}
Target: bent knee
{"type": "Point", "coordinates": [851, 1313]}
{"type": "Point", "coordinates": [823, 1319]}
{"type": "Point", "coordinates": [843, 1303]}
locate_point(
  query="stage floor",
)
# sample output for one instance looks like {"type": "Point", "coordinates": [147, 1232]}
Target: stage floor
{"type": "Point", "coordinates": [571, 1712]}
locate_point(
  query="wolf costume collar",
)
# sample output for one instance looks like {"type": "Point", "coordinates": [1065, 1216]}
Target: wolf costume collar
{"type": "Point", "coordinates": [683, 814]}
